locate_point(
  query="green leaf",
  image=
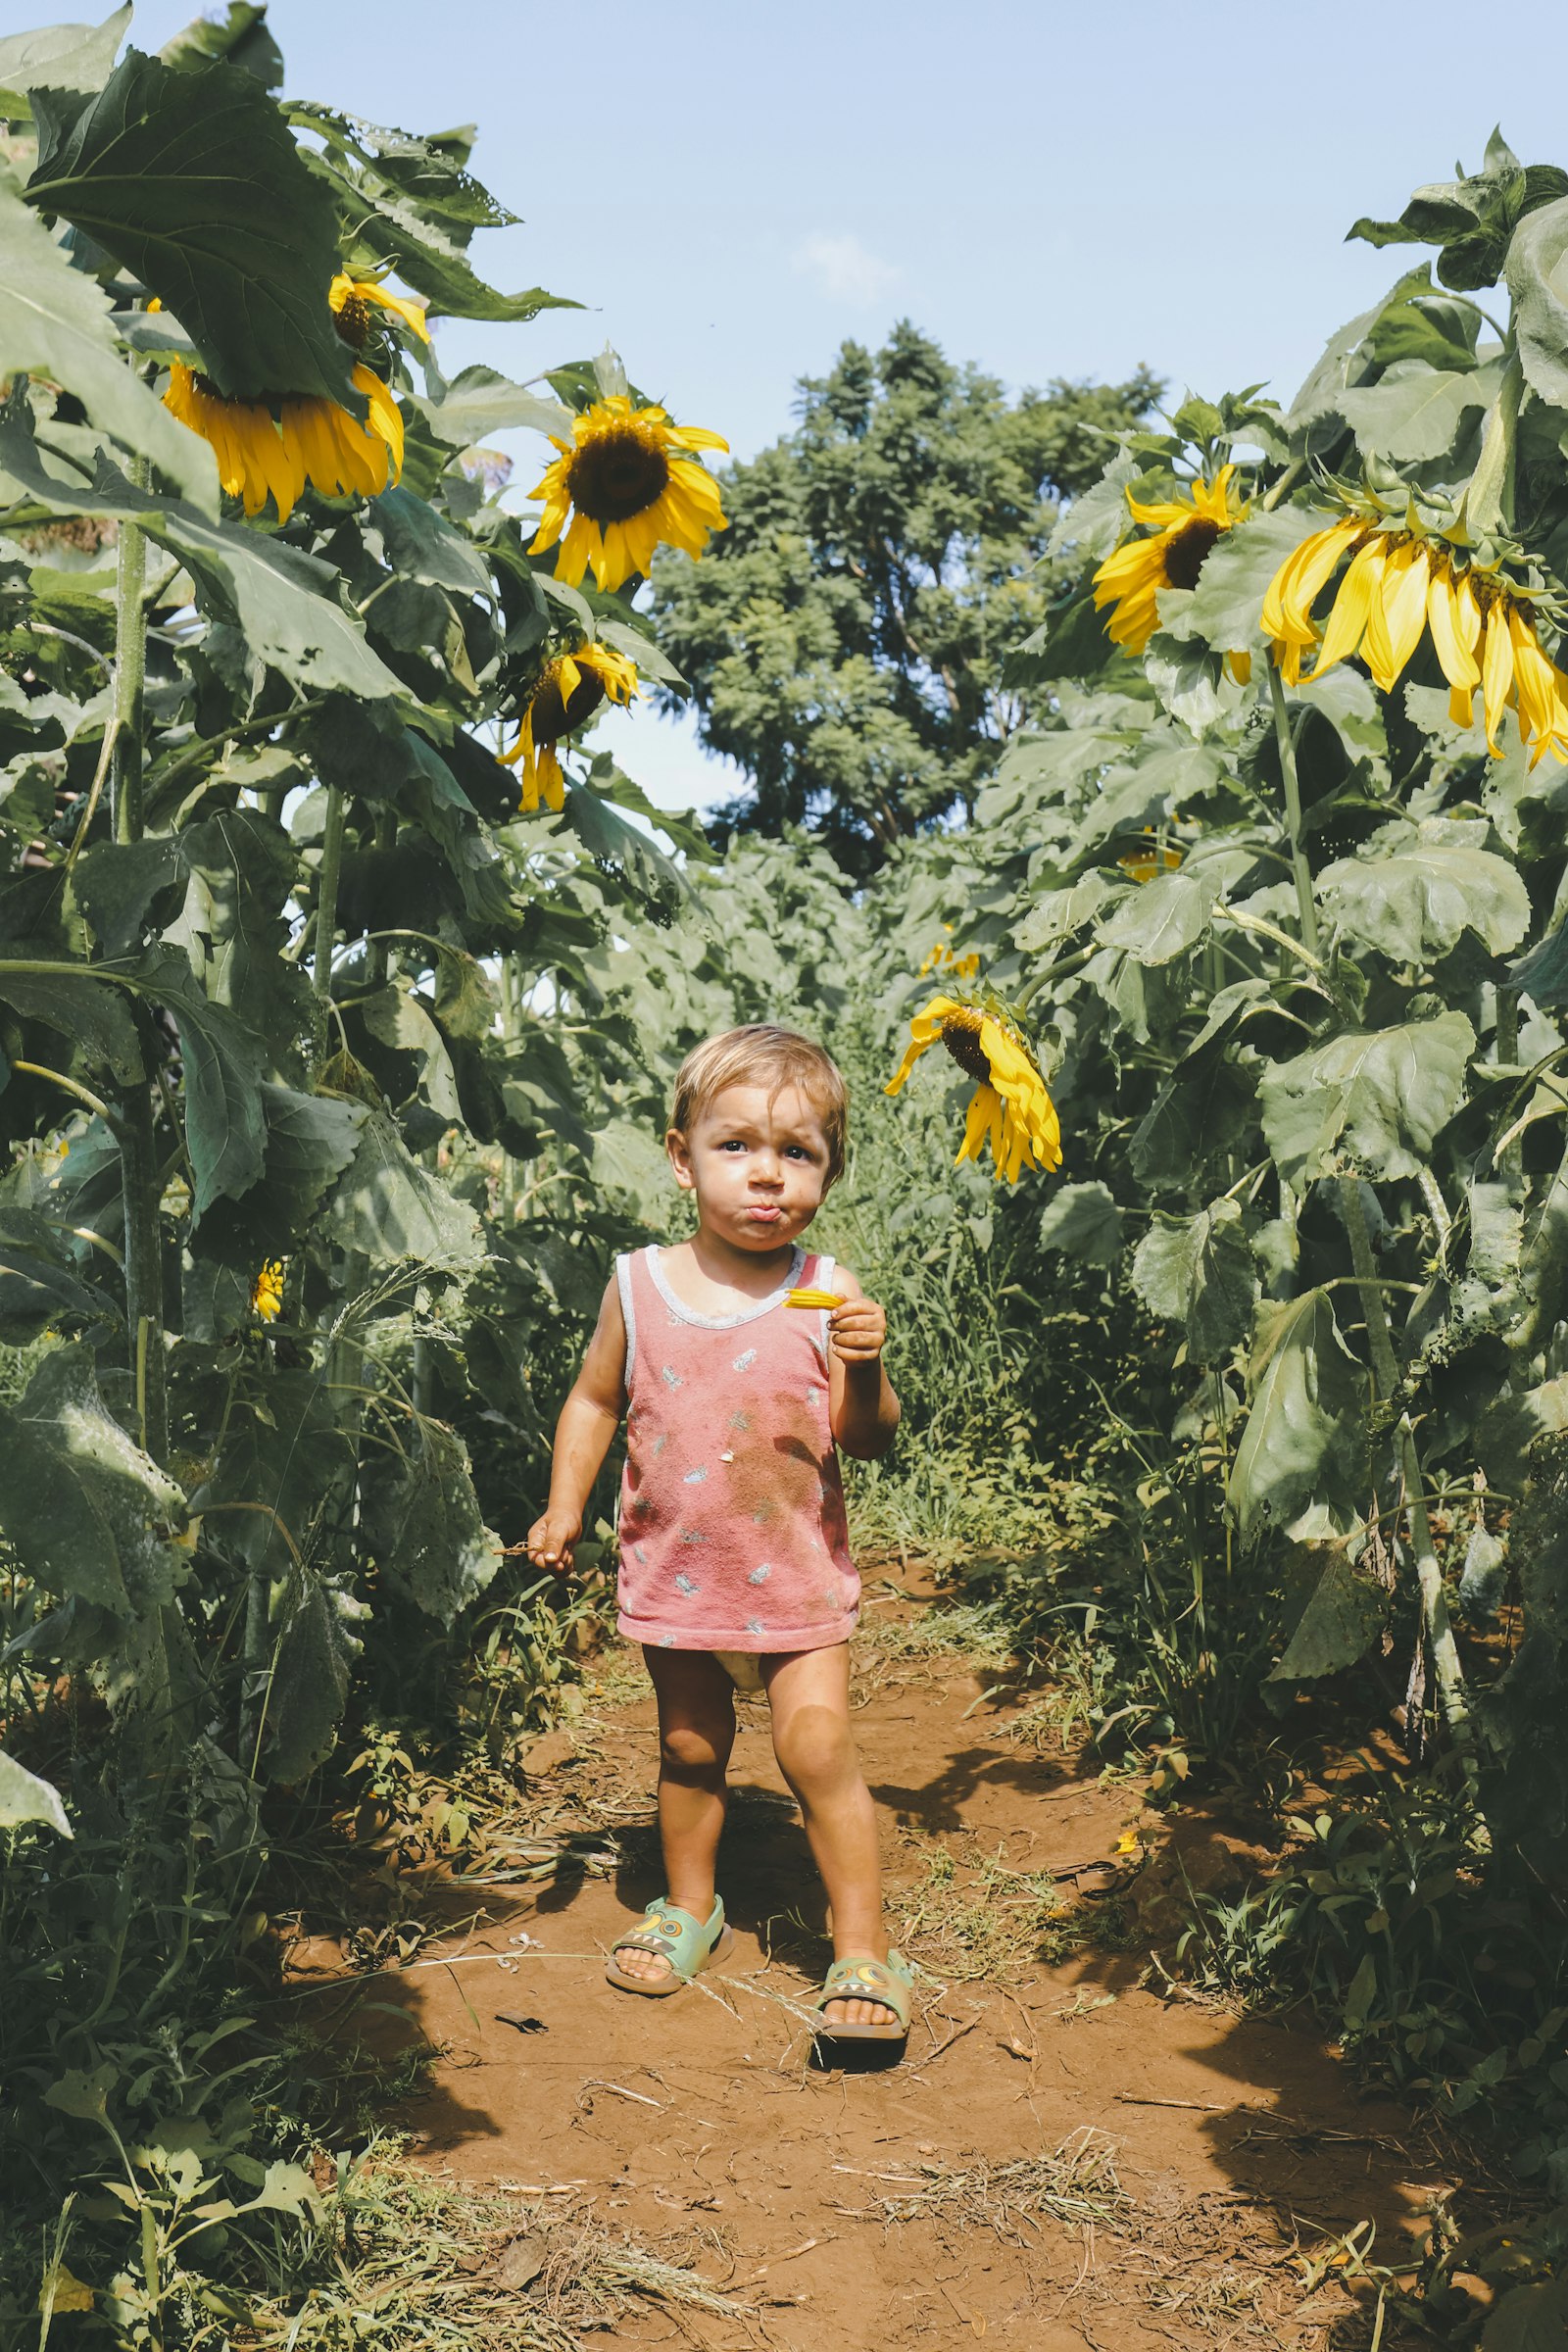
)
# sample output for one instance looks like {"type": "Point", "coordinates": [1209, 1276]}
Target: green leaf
{"type": "Point", "coordinates": [1412, 895]}
{"type": "Point", "coordinates": [83, 1508]}
{"type": "Point", "coordinates": [421, 545]}
{"type": "Point", "coordinates": [1543, 974]}
{"type": "Point", "coordinates": [54, 322]}
{"type": "Point", "coordinates": [224, 1063]}
{"type": "Point", "coordinates": [285, 603]}
{"type": "Point", "coordinates": [59, 57]}
{"type": "Point", "coordinates": [1344, 1613]}
{"type": "Point", "coordinates": [1529, 2319]}
{"type": "Point", "coordinates": [193, 182]}
{"type": "Point", "coordinates": [82, 2094]}
{"type": "Point", "coordinates": [1366, 1103]}
{"type": "Point", "coordinates": [479, 403]}
{"type": "Point", "coordinates": [388, 1206]}
{"type": "Point", "coordinates": [1539, 312]}
{"type": "Point", "coordinates": [396, 1017]}
{"type": "Point", "coordinates": [1161, 919]}
{"type": "Point", "coordinates": [1199, 1271]}
{"type": "Point", "coordinates": [89, 1011]}
{"type": "Point", "coordinates": [24, 1799]}
{"type": "Point", "coordinates": [1083, 1222]}
{"type": "Point", "coordinates": [316, 1651]}
{"type": "Point", "coordinates": [1302, 1441]}
{"type": "Point", "coordinates": [241, 39]}
{"type": "Point", "coordinates": [427, 1527]}
{"type": "Point", "coordinates": [1416, 413]}
{"type": "Point", "coordinates": [39, 1282]}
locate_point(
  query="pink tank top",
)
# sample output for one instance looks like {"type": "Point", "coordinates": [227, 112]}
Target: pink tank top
{"type": "Point", "coordinates": [732, 1527]}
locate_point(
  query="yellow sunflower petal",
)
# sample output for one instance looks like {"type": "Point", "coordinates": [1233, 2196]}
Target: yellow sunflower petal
{"type": "Point", "coordinates": [1347, 619]}
{"type": "Point", "coordinates": [1497, 672]}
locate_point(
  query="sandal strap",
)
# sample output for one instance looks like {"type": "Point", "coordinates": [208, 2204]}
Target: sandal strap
{"type": "Point", "coordinates": [889, 1981]}
{"type": "Point", "coordinates": [676, 1935]}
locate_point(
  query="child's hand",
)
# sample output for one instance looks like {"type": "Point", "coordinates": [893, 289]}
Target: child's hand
{"type": "Point", "coordinates": [551, 1541]}
{"type": "Point", "coordinates": [857, 1329]}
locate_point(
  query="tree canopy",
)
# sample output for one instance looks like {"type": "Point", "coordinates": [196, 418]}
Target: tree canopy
{"type": "Point", "coordinates": [846, 640]}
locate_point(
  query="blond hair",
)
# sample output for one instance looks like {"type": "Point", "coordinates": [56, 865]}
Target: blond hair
{"type": "Point", "coordinates": [762, 1054]}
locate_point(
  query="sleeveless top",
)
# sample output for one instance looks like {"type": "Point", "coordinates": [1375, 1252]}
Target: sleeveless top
{"type": "Point", "coordinates": [732, 1527]}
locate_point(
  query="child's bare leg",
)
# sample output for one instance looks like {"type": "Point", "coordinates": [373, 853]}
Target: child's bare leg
{"type": "Point", "coordinates": [808, 1692]}
{"type": "Point", "coordinates": [696, 1732]}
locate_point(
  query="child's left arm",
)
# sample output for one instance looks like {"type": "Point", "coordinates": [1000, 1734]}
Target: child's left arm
{"type": "Point", "coordinates": [863, 1407]}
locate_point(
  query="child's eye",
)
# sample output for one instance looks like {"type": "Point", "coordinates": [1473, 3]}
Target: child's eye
{"type": "Point", "coordinates": [733, 1145]}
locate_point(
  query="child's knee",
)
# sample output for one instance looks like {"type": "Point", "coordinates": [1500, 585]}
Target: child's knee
{"type": "Point", "coordinates": [689, 1750]}
{"type": "Point", "coordinates": [814, 1749]}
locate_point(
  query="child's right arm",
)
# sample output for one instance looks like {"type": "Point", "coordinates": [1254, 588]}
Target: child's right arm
{"type": "Point", "coordinates": [589, 1419]}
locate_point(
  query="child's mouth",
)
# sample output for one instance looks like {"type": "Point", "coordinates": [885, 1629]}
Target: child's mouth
{"type": "Point", "coordinates": [765, 1212]}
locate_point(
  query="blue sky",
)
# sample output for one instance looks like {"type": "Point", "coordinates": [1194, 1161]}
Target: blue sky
{"type": "Point", "coordinates": [1047, 191]}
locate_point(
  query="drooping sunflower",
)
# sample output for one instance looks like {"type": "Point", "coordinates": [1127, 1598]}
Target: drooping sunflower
{"type": "Point", "coordinates": [266, 1291]}
{"type": "Point", "coordinates": [569, 690]}
{"type": "Point", "coordinates": [1144, 864]}
{"type": "Point", "coordinates": [271, 448]}
{"type": "Point", "coordinates": [628, 488]}
{"type": "Point", "coordinates": [1010, 1107]}
{"type": "Point", "coordinates": [1184, 529]}
{"type": "Point", "coordinates": [942, 958]}
{"type": "Point", "coordinates": [1399, 583]}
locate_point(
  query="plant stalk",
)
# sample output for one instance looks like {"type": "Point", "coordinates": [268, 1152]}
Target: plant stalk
{"type": "Point", "coordinates": [1488, 501]}
{"type": "Point", "coordinates": [130, 670]}
{"type": "Point", "coordinates": [1299, 868]}
{"type": "Point", "coordinates": [326, 887]}
{"type": "Point", "coordinates": [141, 1179]}
{"type": "Point", "coordinates": [1379, 1340]}
{"type": "Point", "coordinates": [1436, 1625]}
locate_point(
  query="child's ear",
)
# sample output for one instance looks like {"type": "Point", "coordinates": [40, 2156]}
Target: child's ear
{"type": "Point", "coordinates": [680, 1159]}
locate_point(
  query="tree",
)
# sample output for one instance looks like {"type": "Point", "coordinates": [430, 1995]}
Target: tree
{"type": "Point", "coordinates": [845, 642]}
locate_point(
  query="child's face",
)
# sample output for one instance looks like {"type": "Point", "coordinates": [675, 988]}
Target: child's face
{"type": "Point", "coordinates": [757, 1163]}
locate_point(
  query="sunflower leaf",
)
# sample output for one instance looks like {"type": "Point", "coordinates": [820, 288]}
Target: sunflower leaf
{"type": "Point", "coordinates": [1541, 316]}
{"type": "Point", "coordinates": [1085, 1223]}
{"type": "Point", "coordinates": [1415, 900]}
{"type": "Point", "coordinates": [192, 181]}
{"type": "Point", "coordinates": [56, 322]}
{"type": "Point", "coordinates": [58, 57]}
{"type": "Point", "coordinates": [1369, 1102]}
{"type": "Point", "coordinates": [1304, 1436]}
{"type": "Point", "coordinates": [1199, 1271]}
{"type": "Point", "coordinates": [24, 1799]}
{"type": "Point", "coordinates": [1416, 413]}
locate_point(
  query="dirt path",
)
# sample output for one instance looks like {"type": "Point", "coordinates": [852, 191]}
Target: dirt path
{"type": "Point", "coordinates": [1071, 2155]}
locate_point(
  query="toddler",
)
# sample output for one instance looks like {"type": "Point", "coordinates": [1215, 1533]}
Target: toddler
{"type": "Point", "coordinates": [734, 1558]}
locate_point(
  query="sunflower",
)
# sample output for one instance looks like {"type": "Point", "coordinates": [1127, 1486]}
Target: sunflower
{"type": "Point", "coordinates": [1144, 865]}
{"type": "Point", "coordinates": [266, 1291]}
{"type": "Point", "coordinates": [1185, 528]}
{"type": "Point", "coordinates": [352, 300]}
{"type": "Point", "coordinates": [625, 492]}
{"type": "Point", "coordinates": [959, 967]}
{"type": "Point", "coordinates": [1010, 1106]}
{"type": "Point", "coordinates": [271, 448]}
{"type": "Point", "coordinates": [569, 690]}
{"type": "Point", "coordinates": [1399, 583]}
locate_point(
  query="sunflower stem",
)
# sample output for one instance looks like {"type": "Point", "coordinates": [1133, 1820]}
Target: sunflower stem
{"type": "Point", "coordinates": [135, 1126]}
{"type": "Point", "coordinates": [1379, 1340]}
{"type": "Point", "coordinates": [130, 670]}
{"type": "Point", "coordinates": [1508, 1055]}
{"type": "Point", "coordinates": [1437, 1627]}
{"type": "Point", "coordinates": [1299, 868]}
{"type": "Point", "coordinates": [326, 888]}
{"type": "Point", "coordinates": [1487, 506]}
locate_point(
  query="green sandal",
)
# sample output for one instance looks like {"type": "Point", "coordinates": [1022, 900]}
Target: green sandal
{"type": "Point", "coordinates": [889, 1982]}
{"type": "Point", "coordinates": [677, 1938]}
